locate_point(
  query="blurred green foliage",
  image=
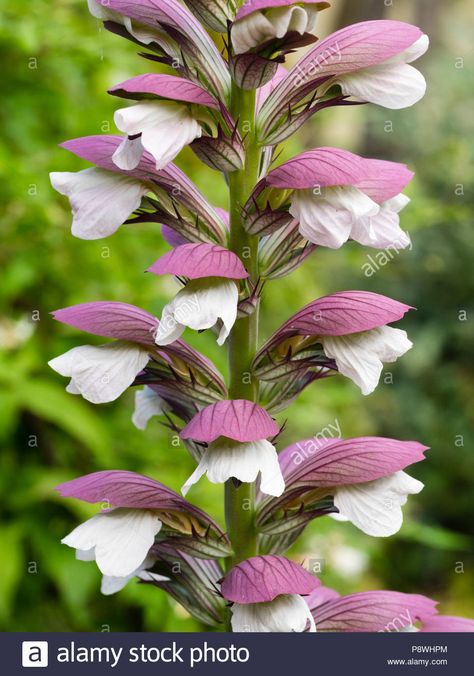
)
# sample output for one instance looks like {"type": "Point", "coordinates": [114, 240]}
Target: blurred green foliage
{"type": "Point", "coordinates": [60, 62]}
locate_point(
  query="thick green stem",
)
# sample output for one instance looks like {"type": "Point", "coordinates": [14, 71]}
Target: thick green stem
{"type": "Point", "coordinates": [239, 501]}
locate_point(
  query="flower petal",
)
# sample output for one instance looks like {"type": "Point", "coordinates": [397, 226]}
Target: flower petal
{"type": "Point", "coordinates": [101, 200]}
{"type": "Point", "coordinates": [147, 404]}
{"type": "Point", "coordinates": [375, 506]}
{"type": "Point", "coordinates": [382, 230]}
{"type": "Point", "coordinates": [393, 86]}
{"type": "Point", "coordinates": [101, 373]}
{"type": "Point", "coordinates": [122, 539]}
{"type": "Point", "coordinates": [199, 306]}
{"type": "Point", "coordinates": [224, 459]}
{"type": "Point", "coordinates": [165, 127]}
{"type": "Point", "coordinates": [128, 154]}
{"type": "Point", "coordinates": [112, 584]}
{"type": "Point", "coordinates": [287, 613]}
{"type": "Point", "coordinates": [327, 218]}
{"type": "Point", "coordinates": [257, 27]}
{"type": "Point", "coordinates": [360, 356]}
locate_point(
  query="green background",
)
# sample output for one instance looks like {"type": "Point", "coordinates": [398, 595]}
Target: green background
{"type": "Point", "coordinates": [58, 63]}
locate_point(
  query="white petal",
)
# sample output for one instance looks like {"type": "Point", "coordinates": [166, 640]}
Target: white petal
{"type": "Point", "coordinates": [147, 35]}
{"type": "Point", "coordinates": [382, 231]}
{"type": "Point", "coordinates": [147, 404]}
{"type": "Point", "coordinates": [225, 458]}
{"type": "Point", "coordinates": [375, 506]}
{"type": "Point", "coordinates": [168, 329]}
{"type": "Point", "coordinates": [122, 539]}
{"type": "Point", "coordinates": [413, 52]}
{"type": "Point", "coordinates": [101, 11]}
{"type": "Point", "coordinates": [71, 388]}
{"type": "Point", "coordinates": [327, 218]}
{"type": "Point", "coordinates": [393, 86]}
{"type": "Point", "coordinates": [260, 26]}
{"type": "Point", "coordinates": [140, 31]}
{"type": "Point", "coordinates": [85, 554]}
{"type": "Point", "coordinates": [286, 613]}
{"type": "Point", "coordinates": [199, 306]}
{"type": "Point", "coordinates": [292, 19]}
{"type": "Point", "coordinates": [128, 154]}
{"type": "Point", "coordinates": [389, 343]}
{"type": "Point", "coordinates": [165, 127]}
{"type": "Point", "coordinates": [111, 584]}
{"type": "Point", "coordinates": [397, 203]}
{"type": "Point", "coordinates": [101, 200]}
{"type": "Point", "coordinates": [359, 356]}
{"type": "Point", "coordinates": [101, 373]}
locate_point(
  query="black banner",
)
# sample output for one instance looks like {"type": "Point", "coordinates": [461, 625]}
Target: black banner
{"type": "Point", "coordinates": [210, 653]}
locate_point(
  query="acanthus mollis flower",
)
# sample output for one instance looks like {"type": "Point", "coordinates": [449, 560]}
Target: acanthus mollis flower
{"type": "Point", "coordinates": [102, 373]}
{"type": "Point", "coordinates": [268, 595]}
{"type": "Point", "coordinates": [174, 112]}
{"type": "Point", "coordinates": [163, 122]}
{"type": "Point", "coordinates": [352, 329]}
{"type": "Point", "coordinates": [135, 509]}
{"type": "Point", "coordinates": [371, 611]}
{"type": "Point", "coordinates": [186, 46]}
{"type": "Point", "coordinates": [336, 195]}
{"type": "Point", "coordinates": [361, 480]}
{"type": "Point", "coordinates": [103, 197]}
{"type": "Point", "coordinates": [367, 61]}
{"type": "Point", "coordinates": [263, 31]}
{"type": "Point", "coordinates": [209, 299]}
{"type": "Point", "coordinates": [236, 433]}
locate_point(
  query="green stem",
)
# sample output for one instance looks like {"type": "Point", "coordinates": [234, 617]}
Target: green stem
{"type": "Point", "coordinates": [239, 502]}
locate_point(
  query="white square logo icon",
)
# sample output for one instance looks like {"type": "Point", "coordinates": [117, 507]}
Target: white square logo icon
{"type": "Point", "coordinates": [34, 653]}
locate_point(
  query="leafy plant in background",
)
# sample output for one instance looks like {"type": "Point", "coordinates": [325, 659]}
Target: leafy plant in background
{"type": "Point", "coordinates": [234, 112]}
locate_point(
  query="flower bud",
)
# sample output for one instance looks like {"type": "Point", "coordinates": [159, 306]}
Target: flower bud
{"type": "Point", "coordinates": [223, 153]}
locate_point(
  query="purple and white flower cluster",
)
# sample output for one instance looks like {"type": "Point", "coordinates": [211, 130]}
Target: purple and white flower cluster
{"type": "Point", "coordinates": [233, 106]}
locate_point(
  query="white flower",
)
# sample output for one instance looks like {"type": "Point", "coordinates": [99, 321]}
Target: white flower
{"type": "Point", "coordinates": [165, 128]}
{"type": "Point", "coordinates": [376, 506]}
{"type": "Point", "coordinates": [360, 356]}
{"type": "Point", "coordinates": [225, 458]}
{"type": "Point", "coordinates": [327, 217]}
{"type": "Point", "coordinates": [147, 404]}
{"type": "Point", "coordinates": [392, 84]}
{"type": "Point", "coordinates": [101, 200]}
{"type": "Point", "coordinates": [120, 539]}
{"type": "Point", "coordinates": [258, 27]}
{"type": "Point", "coordinates": [288, 612]}
{"type": "Point", "coordinates": [199, 305]}
{"type": "Point", "coordinates": [101, 373]}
